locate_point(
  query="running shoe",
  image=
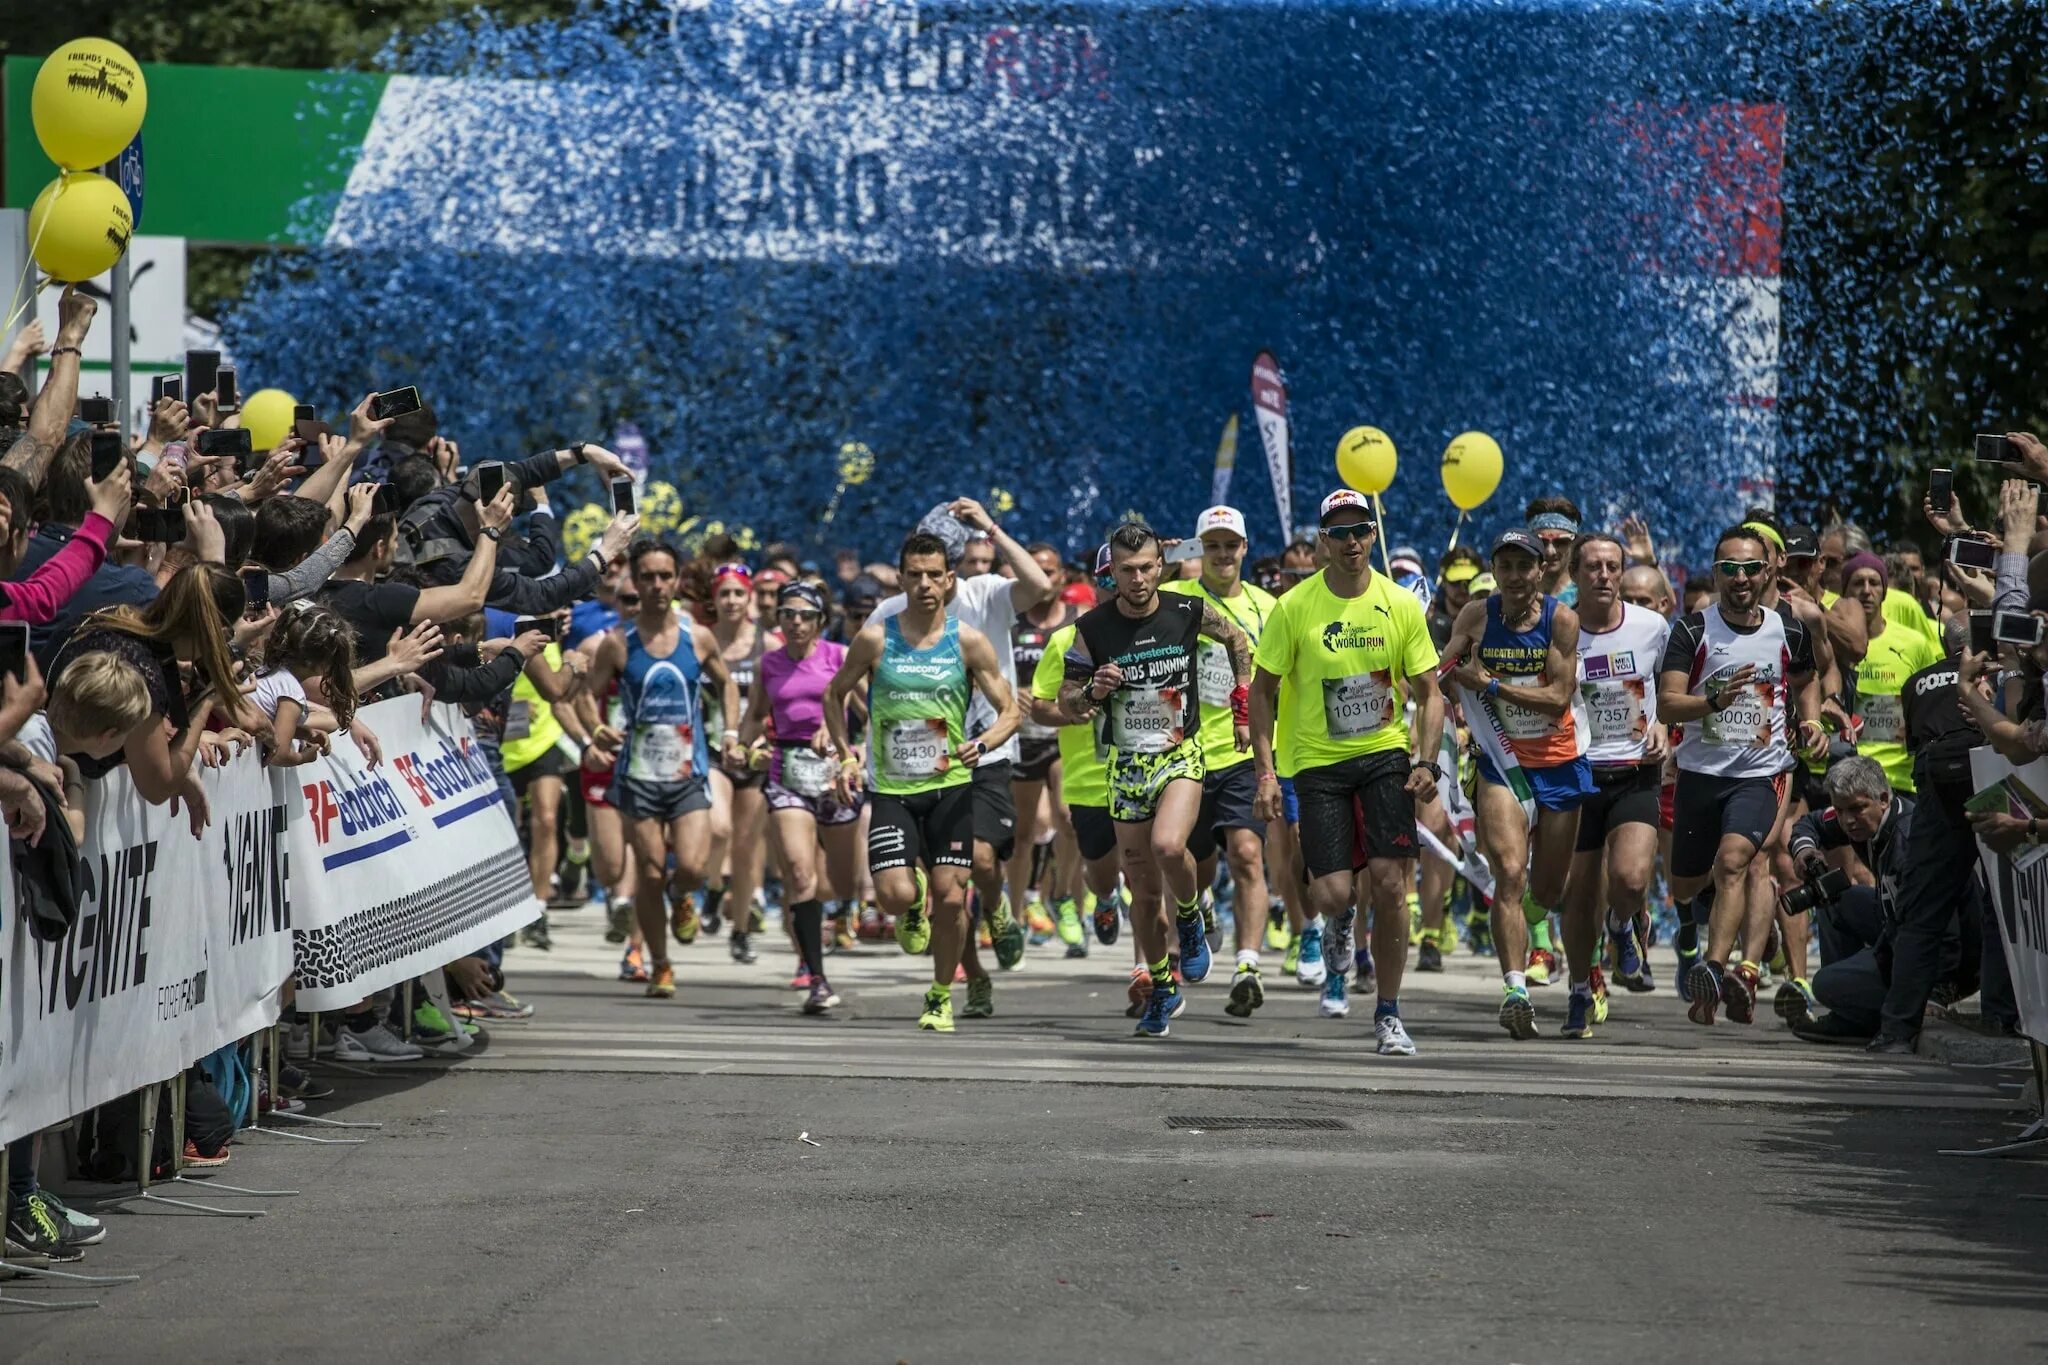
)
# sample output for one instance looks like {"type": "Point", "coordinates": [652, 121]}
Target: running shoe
{"type": "Point", "coordinates": [1006, 936]}
{"type": "Point", "coordinates": [78, 1229]}
{"type": "Point", "coordinates": [1212, 929]}
{"type": "Point", "coordinates": [1067, 924]}
{"type": "Point", "coordinates": [1429, 957]}
{"type": "Point", "coordinates": [1247, 992]}
{"type": "Point", "coordinates": [1334, 1004]}
{"type": "Point", "coordinates": [1542, 962]}
{"type": "Point", "coordinates": [913, 926]}
{"type": "Point", "coordinates": [742, 946]}
{"type": "Point", "coordinates": [1039, 923]}
{"type": "Point", "coordinates": [1393, 1037]}
{"type": "Point", "coordinates": [493, 1005]}
{"type": "Point", "coordinates": [1631, 963]}
{"type": "Point", "coordinates": [1578, 1017]}
{"type": "Point", "coordinates": [1702, 991]}
{"type": "Point", "coordinates": [1479, 931]}
{"type": "Point", "coordinates": [1291, 962]}
{"type": "Point", "coordinates": [32, 1227]}
{"type": "Point", "coordinates": [684, 922]}
{"type": "Point", "coordinates": [436, 1032]}
{"type": "Point", "coordinates": [1194, 949]}
{"type": "Point", "coordinates": [572, 886]}
{"type": "Point", "coordinates": [871, 926]}
{"type": "Point", "coordinates": [803, 980]}
{"type": "Point", "coordinates": [1415, 930]}
{"type": "Point", "coordinates": [938, 1009]}
{"type": "Point", "coordinates": [1139, 989]}
{"type": "Point", "coordinates": [295, 1084]}
{"type": "Point", "coordinates": [663, 987]}
{"type": "Point", "coordinates": [1517, 1014]}
{"type": "Point", "coordinates": [842, 934]}
{"type": "Point", "coordinates": [821, 998]}
{"type": "Point", "coordinates": [1279, 937]}
{"type": "Point", "coordinates": [1361, 958]}
{"type": "Point", "coordinates": [1310, 970]}
{"type": "Point", "coordinates": [1108, 917]}
{"type": "Point", "coordinates": [1795, 1004]}
{"type": "Point", "coordinates": [714, 917]}
{"type": "Point", "coordinates": [1164, 1003]}
{"type": "Point", "coordinates": [1738, 993]}
{"type": "Point", "coordinates": [1598, 984]}
{"type": "Point", "coordinates": [1688, 958]}
{"type": "Point", "coordinates": [536, 935]}
{"type": "Point", "coordinates": [981, 998]}
{"type": "Point", "coordinates": [375, 1044]}
{"type": "Point", "coordinates": [618, 919]}
{"type": "Point", "coordinates": [633, 966]}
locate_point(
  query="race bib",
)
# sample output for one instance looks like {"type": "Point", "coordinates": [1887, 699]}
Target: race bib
{"type": "Point", "coordinates": [1614, 712]}
{"type": "Point", "coordinates": [1744, 723]}
{"type": "Point", "coordinates": [1519, 722]}
{"type": "Point", "coordinates": [661, 753]}
{"type": "Point", "coordinates": [1884, 720]}
{"type": "Point", "coordinates": [519, 720]}
{"type": "Point", "coordinates": [805, 773]}
{"type": "Point", "coordinates": [1356, 706]}
{"type": "Point", "coordinates": [915, 749]}
{"type": "Point", "coordinates": [1147, 719]}
{"type": "Point", "coordinates": [1214, 680]}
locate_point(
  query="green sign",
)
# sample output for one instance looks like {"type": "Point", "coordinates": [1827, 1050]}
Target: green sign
{"type": "Point", "coordinates": [232, 149]}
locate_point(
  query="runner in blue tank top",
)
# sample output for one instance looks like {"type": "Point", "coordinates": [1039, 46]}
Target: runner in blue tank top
{"type": "Point", "coordinates": [660, 756]}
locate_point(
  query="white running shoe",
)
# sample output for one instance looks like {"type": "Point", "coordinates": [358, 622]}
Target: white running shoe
{"type": "Point", "coordinates": [1335, 1003]}
{"type": "Point", "coordinates": [379, 1044]}
{"type": "Point", "coordinates": [1394, 1039]}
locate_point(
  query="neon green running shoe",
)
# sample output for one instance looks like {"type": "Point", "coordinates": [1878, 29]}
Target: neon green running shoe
{"type": "Point", "coordinates": [1068, 917]}
{"type": "Point", "coordinates": [1006, 936]}
{"type": "Point", "coordinates": [1278, 936]}
{"type": "Point", "coordinates": [1414, 919]}
{"type": "Point", "coordinates": [981, 998]}
{"type": "Point", "coordinates": [1292, 962]}
{"type": "Point", "coordinates": [914, 926]}
{"type": "Point", "coordinates": [938, 1010]}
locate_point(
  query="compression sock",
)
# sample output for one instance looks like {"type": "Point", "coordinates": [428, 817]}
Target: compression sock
{"type": "Point", "coordinates": [1162, 973]}
{"type": "Point", "coordinates": [810, 934]}
{"type": "Point", "coordinates": [1388, 1005]}
{"type": "Point", "coordinates": [1188, 909]}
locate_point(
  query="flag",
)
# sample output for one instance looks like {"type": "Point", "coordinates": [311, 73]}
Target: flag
{"type": "Point", "coordinates": [1269, 398]}
{"type": "Point", "coordinates": [1226, 460]}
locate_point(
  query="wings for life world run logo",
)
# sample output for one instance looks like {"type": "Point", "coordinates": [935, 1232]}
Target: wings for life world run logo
{"type": "Point", "coordinates": [363, 817]}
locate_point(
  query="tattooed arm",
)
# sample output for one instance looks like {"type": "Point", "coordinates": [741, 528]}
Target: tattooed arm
{"type": "Point", "coordinates": [1224, 631]}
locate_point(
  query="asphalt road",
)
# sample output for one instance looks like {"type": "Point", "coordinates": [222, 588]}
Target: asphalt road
{"type": "Point", "coordinates": [626, 1179]}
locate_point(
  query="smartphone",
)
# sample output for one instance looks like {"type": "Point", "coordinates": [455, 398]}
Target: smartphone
{"type": "Point", "coordinates": [1972, 554]}
{"type": "Point", "coordinates": [223, 441]}
{"type": "Point", "coordinates": [255, 591]}
{"type": "Point", "coordinates": [157, 525]}
{"type": "Point", "coordinates": [224, 395]}
{"type": "Point", "coordinates": [490, 480]}
{"type": "Point", "coordinates": [202, 371]}
{"type": "Point", "coordinates": [178, 496]}
{"type": "Point", "coordinates": [1996, 449]}
{"type": "Point", "coordinates": [305, 412]}
{"type": "Point", "coordinates": [546, 625]}
{"type": "Point", "coordinates": [106, 454]}
{"type": "Point", "coordinates": [174, 386]}
{"type": "Point", "coordinates": [97, 412]}
{"type": "Point", "coordinates": [395, 403]}
{"type": "Point", "coordinates": [14, 649]}
{"type": "Point", "coordinates": [1980, 632]}
{"type": "Point", "coordinates": [380, 502]}
{"type": "Point", "coordinates": [247, 462]}
{"type": "Point", "coordinates": [2017, 627]}
{"type": "Point", "coordinates": [157, 384]}
{"type": "Point", "coordinates": [1941, 490]}
{"type": "Point", "coordinates": [622, 495]}
{"type": "Point", "coordinates": [310, 430]}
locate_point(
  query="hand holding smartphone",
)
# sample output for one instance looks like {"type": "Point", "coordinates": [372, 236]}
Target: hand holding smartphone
{"type": "Point", "coordinates": [394, 403]}
{"type": "Point", "coordinates": [490, 481]}
{"type": "Point", "coordinates": [1997, 449]}
{"type": "Point", "coordinates": [1941, 490]}
{"type": "Point", "coordinates": [622, 496]}
{"type": "Point", "coordinates": [1968, 553]}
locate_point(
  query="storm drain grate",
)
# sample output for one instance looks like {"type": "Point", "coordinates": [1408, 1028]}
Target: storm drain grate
{"type": "Point", "coordinates": [1211, 1123]}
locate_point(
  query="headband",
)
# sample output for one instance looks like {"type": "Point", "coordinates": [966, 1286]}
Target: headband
{"type": "Point", "coordinates": [733, 570]}
{"type": "Point", "coordinates": [1767, 532]}
{"type": "Point", "coordinates": [1553, 521]}
{"type": "Point", "coordinates": [802, 591]}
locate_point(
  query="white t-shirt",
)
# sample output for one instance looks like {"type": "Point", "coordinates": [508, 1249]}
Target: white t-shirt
{"type": "Point", "coordinates": [278, 685]}
{"type": "Point", "coordinates": [38, 738]}
{"type": "Point", "coordinates": [1618, 683]}
{"type": "Point", "coordinates": [983, 602]}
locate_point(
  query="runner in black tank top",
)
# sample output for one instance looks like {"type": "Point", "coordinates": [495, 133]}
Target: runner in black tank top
{"type": "Point", "coordinates": [1038, 749]}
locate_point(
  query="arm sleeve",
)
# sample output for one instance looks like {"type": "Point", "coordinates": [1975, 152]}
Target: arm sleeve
{"type": "Point", "coordinates": [303, 578]}
{"type": "Point", "coordinates": [456, 683]}
{"type": "Point", "coordinates": [1683, 646]}
{"type": "Point", "coordinates": [515, 592]}
{"type": "Point", "coordinates": [38, 598]}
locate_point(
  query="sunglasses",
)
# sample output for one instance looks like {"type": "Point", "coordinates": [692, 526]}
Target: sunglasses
{"type": "Point", "coordinates": [798, 614]}
{"type": "Point", "coordinates": [629, 599]}
{"type": "Point", "coordinates": [1362, 530]}
{"type": "Point", "coordinates": [1740, 568]}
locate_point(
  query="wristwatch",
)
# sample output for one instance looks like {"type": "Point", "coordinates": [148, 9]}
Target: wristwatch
{"type": "Point", "coordinates": [1493, 687]}
{"type": "Point", "coordinates": [1431, 766]}
{"type": "Point", "coordinates": [494, 532]}
{"type": "Point", "coordinates": [580, 450]}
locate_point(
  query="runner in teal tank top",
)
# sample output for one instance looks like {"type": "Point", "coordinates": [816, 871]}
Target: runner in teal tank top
{"type": "Point", "coordinates": [919, 666]}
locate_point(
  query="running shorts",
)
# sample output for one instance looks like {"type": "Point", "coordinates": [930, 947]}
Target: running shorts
{"type": "Point", "coordinates": [1562, 787]}
{"type": "Point", "coordinates": [1094, 831]}
{"type": "Point", "coordinates": [1355, 810]}
{"type": "Point", "coordinates": [551, 762]}
{"type": "Point", "coordinates": [933, 827]}
{"type": "Point", "coordinates": [1137, 781]}
{"type": "Point", "coordinates": [1227, 798]}
{"type": "Point", "coordinates": [995, 808]}
{"type": "Point", "coordinates": [1710, 807]}
{"type": "Point", "coordinates": [1035, 758]}
{"type": "Point", "coordinates": [1621, 796]}
{"type": "Point", "coordinates": [663, 801]}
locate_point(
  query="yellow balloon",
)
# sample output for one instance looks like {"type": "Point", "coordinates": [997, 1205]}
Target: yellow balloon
{"type": "Point", "coordinates": [582, 529]}
{"type": "Point", "coordinates": [1471, 469]}
{"type": "Point", "coordinates": [88, 103]}
{"type": "Point", "coordinates": [1366, 460]}
{"type": "Point", "coordinates": [80, 226]}
{"type": "Point", "coordinates": [267, 417]}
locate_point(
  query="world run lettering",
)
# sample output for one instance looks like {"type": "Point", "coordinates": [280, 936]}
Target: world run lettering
{"type": "Point", "coordinates": [107, 950]}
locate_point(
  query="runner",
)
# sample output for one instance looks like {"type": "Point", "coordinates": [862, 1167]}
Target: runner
{"type": "Point", "coordinates": [1135, 655]}
{"type": "Point", "coordinates": [1035, 783]}
{"type": "Point", "coordinates": [789, 702]}
{"type": "Point", "coordinates": [739, 804]}
{"type": "Point", "coordinates": [1554, 521]}
{"type": "Point", "coordinates": [1515, 657]}
{"type": "Point", "coordinates": [1620, 648]}
{"type": "Point", "coordinates": [920, 760]}
{"type": "Point", "coordinates": [609, 850]}
{"type": "Point", "coordinates": [658, 749]}
{"type": "Point", "coordinates": [1340, 653]}
{"type": "Point", "coordinates": [1732, 674]}
{"type": "Point", "coordinates": [1230, 788]}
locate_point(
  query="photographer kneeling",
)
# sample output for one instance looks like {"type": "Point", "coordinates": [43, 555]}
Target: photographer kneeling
{"type": "Point", "coordinates": [1856, 922]}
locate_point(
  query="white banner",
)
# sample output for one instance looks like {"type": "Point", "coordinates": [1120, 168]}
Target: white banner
{"type": "Point", "coordinates": [180, 947]}
{"type": "Point", "coordinates": [1226, 460]}
{"type": "Point", "coordinates": [2019, 891]}
{"type": "Point", "coordinates": [403, 867]}
{"type": "Point", "coordinates": [1269, 400]}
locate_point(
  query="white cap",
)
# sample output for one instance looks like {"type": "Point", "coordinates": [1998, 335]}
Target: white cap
{"type": "Point", "coordinates": [1221, 519]}
{"type": "Point", "coordinates": [1346, 497]}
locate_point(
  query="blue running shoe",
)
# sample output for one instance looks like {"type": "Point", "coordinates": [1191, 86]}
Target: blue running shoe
{"type": "Point", "coordinates": [1310, 970]}
{"type": "Point", "coordinates": [1578, 1020]}
{"type": "Point", "coordinates": [1630, 965]}
{"type": "Point", "coordinates": [1164, 1004]}
{"type": "Point", "coordinates": [1194, 949]}
{"type": "Point", "coordinates": [1335, 1002]}
{"type": "Point", "coordinates": [1361, 958]}
{"type": "Point", "coordinates": [1686, 959]}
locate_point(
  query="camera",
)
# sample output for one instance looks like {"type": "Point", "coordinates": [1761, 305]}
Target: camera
{"type": "Point", "coordinates": [1816, 888]}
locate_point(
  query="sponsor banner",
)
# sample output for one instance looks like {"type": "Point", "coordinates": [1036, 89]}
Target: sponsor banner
{"type": "Point", "coordinates": [180, 947]}
{"type": "Point", "coordinates": [1226, 460]}
{"type": "Point", "coordinates": [405, 866]}
{"type": "Point", "coordinates": [2019, 897]}
{"type": "Point", "coordinates": [1269, 400]}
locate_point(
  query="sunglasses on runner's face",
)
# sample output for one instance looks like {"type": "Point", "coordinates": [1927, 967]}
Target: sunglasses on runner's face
{"type": "Point", "coordinates": [1358, 530]}
{"type": "Point", "coordinates": [798, 614]}
{"type": "Point", "coordinates": [1740, 568]}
